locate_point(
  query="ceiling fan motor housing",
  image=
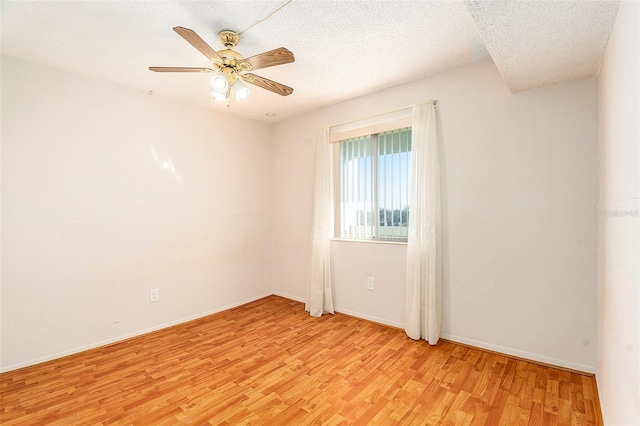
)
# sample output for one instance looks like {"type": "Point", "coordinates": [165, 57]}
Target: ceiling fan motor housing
{"type": "Point", "coordinates": [229, 39]}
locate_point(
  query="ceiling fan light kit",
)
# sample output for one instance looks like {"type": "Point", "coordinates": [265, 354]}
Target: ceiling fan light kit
{"type": "Point", "coordinates": [220, 97]}
{"type": "Point", "coordinates": [241, 90]}
{"type": "Point", "coordinates": [231, 68]}
{"type": "Point", "coordinates": [219, 83]}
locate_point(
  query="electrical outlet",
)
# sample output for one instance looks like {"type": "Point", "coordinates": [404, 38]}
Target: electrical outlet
{"type": "Point", "coordinates": [370, 283]}
{"type": "Point", "coordinates": [154, 295]}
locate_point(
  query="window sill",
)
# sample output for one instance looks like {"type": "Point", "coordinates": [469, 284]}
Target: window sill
{"type": "Point", "coordinates": [345, 240]}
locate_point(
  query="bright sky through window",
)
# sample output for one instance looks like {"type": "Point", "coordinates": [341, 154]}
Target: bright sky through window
{"type": "Point", "coordinates": [374, 186]}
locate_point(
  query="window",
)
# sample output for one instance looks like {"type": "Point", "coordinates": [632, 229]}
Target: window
{"type": "Point", "coordinates": [373, 178]}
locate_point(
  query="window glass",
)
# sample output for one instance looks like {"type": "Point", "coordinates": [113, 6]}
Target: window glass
{"type": "Point", "coordinates": [374, 175]}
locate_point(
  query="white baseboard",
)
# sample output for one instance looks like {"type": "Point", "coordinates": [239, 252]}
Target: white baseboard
{"type": "Point", "coordinates": [521, 354]}
{"type": "Point", "coordinates": [288, 296]}
{"type": "Point", "coordinates": [370, 318]}
{"type": "Point", "coordinates": [126, 336]}
{"type": "Point", "coordinates": [495, 348]}
{"type": "Point", "coordinates": [348, 312]}
{"type": "Point", "coordinates": [603, 410]}
{"type": "Point", "coordinates": [482, 345]}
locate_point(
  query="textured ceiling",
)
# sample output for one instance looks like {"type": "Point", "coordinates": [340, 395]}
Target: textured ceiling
{"type": "Point", "coordinates": [343, 49]}
{"type": "Point", "coordinates": [536, 43]}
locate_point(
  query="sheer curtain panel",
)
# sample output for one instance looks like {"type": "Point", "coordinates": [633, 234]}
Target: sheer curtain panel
{"type": "Point", "coordinates": [424, 272]}
{"type": "Point", "coordinates": [319, 287]}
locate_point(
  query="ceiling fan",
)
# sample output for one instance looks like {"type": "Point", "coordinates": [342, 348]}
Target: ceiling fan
{"type": "Point", "coordinates": [230, 69]}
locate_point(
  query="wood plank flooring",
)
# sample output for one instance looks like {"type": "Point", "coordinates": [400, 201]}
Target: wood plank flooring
{"type": "Point", "coordinates": [269, 363]}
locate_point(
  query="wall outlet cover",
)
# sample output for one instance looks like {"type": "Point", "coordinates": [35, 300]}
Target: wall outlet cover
{"type": "Point", "coordinates": [154, 295]}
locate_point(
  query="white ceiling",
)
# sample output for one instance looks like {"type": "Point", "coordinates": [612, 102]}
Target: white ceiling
{"type": "Point", "coordinates": [343, 49]}
{"type": "Point", "coordinates": [537, 43]}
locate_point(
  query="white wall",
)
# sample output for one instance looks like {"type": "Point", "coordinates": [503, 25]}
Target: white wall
{"type": "Point", "coordinates": [519, 194]}
{"type": "Point", "coordinates": [91, 219]}
{"type": "Point", "coordinates": [108, 192]}
{"type": "Point", "coordinates": [618, 370]}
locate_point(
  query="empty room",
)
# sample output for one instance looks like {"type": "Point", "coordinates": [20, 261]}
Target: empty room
{"type": "Point", "coordinates": [293, 212]}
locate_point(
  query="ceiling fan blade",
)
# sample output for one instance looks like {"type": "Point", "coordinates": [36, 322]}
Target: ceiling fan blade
{"type": "Point", "coordinates": [268, 59]}
{"type": "Point", "coordinates": [265, 83]}
{"type": "Point", "coordinates": [180, 69]}
{"type": "Point", "coordinates": [198, 43]}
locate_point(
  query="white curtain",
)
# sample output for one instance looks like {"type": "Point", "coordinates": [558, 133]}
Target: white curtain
{"type": "Point", "coordinates": [424, 272]}
{"type": "Point", "coordinates": [319, 290]}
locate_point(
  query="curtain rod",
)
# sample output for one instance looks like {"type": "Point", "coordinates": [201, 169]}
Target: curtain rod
{"type": "Point", "coordinates": [433, 101]}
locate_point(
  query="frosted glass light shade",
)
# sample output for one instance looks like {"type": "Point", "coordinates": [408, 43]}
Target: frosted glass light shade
{"type": "Point", "coordinates": [220, 97]}
{"type": "Point", "coordinates": [242, 92]}
{"type": "Point", "coordinates": [219, 83]}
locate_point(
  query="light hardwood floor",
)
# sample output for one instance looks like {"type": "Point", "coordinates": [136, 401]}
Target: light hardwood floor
{"type": "Point", "coordinates": [268, 362]}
